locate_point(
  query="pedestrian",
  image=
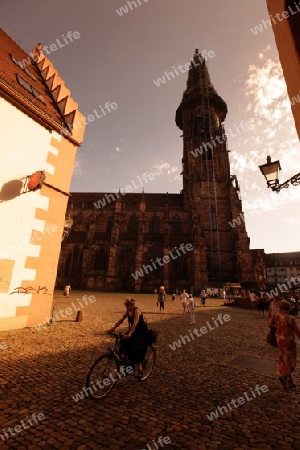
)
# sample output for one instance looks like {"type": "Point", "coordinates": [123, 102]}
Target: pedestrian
{"type": "Point", "coordinates": [67, 290]}
{"type": "Point", "coordinates": [260, 304]}
{"type": "Point", "coordinates": [253, 300]}
{"type": "Point", "coordinates": [191, 304]}
{"type": "Point", "coordinates": [286, 328]}
{"type": "Point", "coordinates": [267, 301]}
{"type": "Point", "coordinates": [161, 298]}
{"type": "Point", "coordinates": [293, 306]}
{"type": "Point", "coordinates": [203, 297]}
{"type": "Point", "coordinates": [274, 307]}
{"type": "Point", "coordinates": [133, 342]}
{"type": "Point", "coordinates": [184, 300]}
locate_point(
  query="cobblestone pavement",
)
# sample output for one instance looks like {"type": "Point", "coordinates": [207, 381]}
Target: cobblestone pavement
{"type": "Point", "coordinates": [42, 370]}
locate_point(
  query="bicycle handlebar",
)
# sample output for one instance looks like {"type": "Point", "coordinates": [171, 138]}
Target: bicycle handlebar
{"type": "Point", "coordinates": [115, 335]}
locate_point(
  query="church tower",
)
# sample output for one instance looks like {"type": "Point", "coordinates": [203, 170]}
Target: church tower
{"type": "Point", "coordinates": [132, 242]}
{"type": "Point", "coordinates": [210, 193]}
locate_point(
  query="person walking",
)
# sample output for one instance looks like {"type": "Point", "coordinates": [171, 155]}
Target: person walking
{"type": "Point", "coordinates": [253, 300]}
{"type": "Point", "coordinates": [274, 307]}
{"type": "Point", "coordinates": [67, 290]}
{"type": "Point", "coordinates": [191, 304]}
{"type": "Point", "coordinates": [184, 300]}
{"type": "Point", "coordinates": [286, 329]}
{"type": "Point", "coordinates": [259, 304]}
{"type": "Point", "coordinates": [161, 298]}
{"type": "Point", "coordinates": [203, 297]}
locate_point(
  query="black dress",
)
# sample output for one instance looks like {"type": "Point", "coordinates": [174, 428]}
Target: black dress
{"type": "Point", "coordinates": [135, 346]}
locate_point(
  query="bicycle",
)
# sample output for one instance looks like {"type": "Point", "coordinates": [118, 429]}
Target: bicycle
{"type": "Point", "coordinates": [111, 367]}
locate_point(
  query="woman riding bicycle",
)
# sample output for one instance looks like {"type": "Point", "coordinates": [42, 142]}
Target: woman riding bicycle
{"type": "Point", "coordinates": [133, 342]}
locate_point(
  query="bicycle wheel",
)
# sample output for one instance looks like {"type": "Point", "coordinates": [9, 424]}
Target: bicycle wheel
{"type": "Point", "coordinates": [102, 377]}
{"type": "Point", "coordinates": [148, 363]}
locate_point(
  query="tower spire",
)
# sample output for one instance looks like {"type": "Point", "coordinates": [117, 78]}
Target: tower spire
{"type": "Point", "coordinates": [198, 82]}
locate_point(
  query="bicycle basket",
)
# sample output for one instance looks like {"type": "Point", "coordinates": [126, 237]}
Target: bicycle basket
{"type": "Point", "coordinates": [151, 336]}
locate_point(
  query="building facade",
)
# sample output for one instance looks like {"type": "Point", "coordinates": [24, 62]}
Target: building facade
{"type": "Point", "coordinates": [283, 268]}
{"type": "Point", "coordinates": [38, 149]}
{"type": "Point", "coordinates": [285, 20]}
{"type": "Point", "coordinates": [136, 242]}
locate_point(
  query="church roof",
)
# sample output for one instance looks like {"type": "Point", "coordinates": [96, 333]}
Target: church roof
{"type": "Point", "coordinates": [129, 200]}
{"type": "Point", "coordinates": [283, 259]}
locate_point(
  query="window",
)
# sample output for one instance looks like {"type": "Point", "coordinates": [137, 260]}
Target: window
{"type": "Point", "coordinates": [133, 225]}
{"type": "Point", "coordinates": [74, 263]}
{"type": "Point", "coordinates": [202, 127]}
{"type": "Point", "coordinates": [22, 66]}
{"type": "Point", "coordinates": [30, 89]}
{"type": "Point", "coordinates": [101, 260]}
{"type": "Point", "coordinates": [155, 224]}
{"type": "Point", "coordinates": [24, 83]}
{"type": "Point", "coordinates": [110, 224]}
{"type": "Point", "coordinates": [176, 225]}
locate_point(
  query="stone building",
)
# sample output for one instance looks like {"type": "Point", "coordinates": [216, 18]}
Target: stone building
{"type": "Point", "coordinates": [38, 148]}
{"type": "Point", "coordinates": [285, 20]}
{"type": "Point", "coordinates": [283, 268]}
{"type": "Point", "coordinates": [138, 241]}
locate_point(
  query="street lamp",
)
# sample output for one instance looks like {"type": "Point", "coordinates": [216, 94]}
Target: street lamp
{"type": "Point", "coordinates": [271, 173]}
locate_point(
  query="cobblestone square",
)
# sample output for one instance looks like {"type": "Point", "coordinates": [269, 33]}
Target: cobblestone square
{"type": "Point", "coordinates": [42, 370]}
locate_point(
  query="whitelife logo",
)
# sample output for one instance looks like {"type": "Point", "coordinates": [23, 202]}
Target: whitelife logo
{"type": "Point", "coordinates": [159, 443]}
{"type": "Point", "coordinates": [238, 402]}
{"type": "Point", "coordinates": [285, 15]}
{"type": "Point", "coordinates": [184, 68]}
{"type": "Point", "coordinates": [124, 9]}
{"type": "Point", "coordinates": [53, 47]}
{"type": "Point", "coordinates": [65, 312]}
{"type": "Point", "coordinates": [24, 425]}
{"type": "Point", "coordinates": [245, 126]}
{"type": "Point", "coordinates": [183, 340]}
{"type": "Point", "coordinates": [166, 259]}
{"type": "Point", "coordinates": [124, 371]}
{"type": "Point", "coordinates": [109, 198]}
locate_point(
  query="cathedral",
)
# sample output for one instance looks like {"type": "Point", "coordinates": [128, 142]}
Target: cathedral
{"type": "Point", "coordinates": [138, 241]}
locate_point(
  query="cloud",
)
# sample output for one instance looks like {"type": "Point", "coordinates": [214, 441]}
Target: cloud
{"type": "Point", "coordinates": [268, 108]}
{"type": "Point", "coordinates": [164, 168]}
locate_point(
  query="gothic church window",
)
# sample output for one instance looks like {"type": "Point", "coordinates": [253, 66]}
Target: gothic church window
{"type": "Point", "coordinates": [155, 225]}
{"type": "Point", "coordinates": [201, 127]}
{"type": "Point", "coordinates": [110, 224]}
{"type": "Point", "coordinates": [101, 260]}
{"type": "Point", "coordinates": [179, 268]}
{"type": "Point", "coordinates": [126, 263]}
{"type": "Point", "coordinates": [74, 262]}
{"type": "Point", "coordinates": [133, 224]}
{"type": "Point", "coordinates": [176, 225]}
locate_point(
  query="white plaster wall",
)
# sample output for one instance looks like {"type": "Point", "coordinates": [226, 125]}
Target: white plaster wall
{"type": "Point", "coordinates": [24, 146]}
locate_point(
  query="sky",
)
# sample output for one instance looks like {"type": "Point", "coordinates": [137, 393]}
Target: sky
{"type": "Point", "coordinates": [115, 61]}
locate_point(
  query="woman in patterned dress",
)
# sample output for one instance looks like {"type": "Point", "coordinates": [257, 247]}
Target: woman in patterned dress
{"type": "Point", "coordinates": [286, 328]}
